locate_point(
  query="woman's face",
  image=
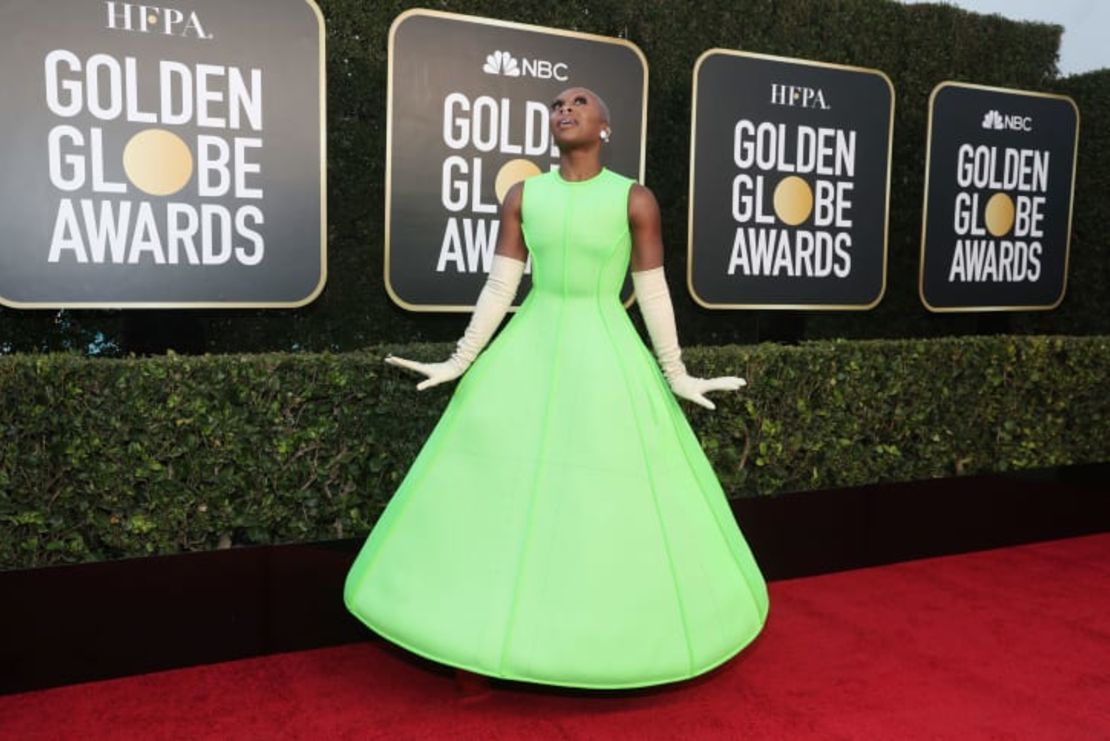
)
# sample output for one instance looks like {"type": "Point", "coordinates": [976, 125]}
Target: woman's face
{"type": "Point", "coordinates": [577, 118]}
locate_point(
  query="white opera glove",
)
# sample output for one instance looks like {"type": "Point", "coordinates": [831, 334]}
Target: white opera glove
{"type": "Point", "coordinates": [655, 304]}
{"type": "Point", "coordinates": [493, 303]}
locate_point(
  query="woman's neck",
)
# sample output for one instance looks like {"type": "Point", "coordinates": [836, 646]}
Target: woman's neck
{"type": "Point", "coordinates": [579, 165]}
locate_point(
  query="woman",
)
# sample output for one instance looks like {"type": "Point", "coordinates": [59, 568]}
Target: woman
{"type": "Point", "coordinates": [561, 524]}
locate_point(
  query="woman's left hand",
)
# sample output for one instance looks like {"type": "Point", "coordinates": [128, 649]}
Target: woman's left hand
{"type": "Point", "coordinates": [435, 373]}
{"type": "Point", "coordinates": [694, 389]}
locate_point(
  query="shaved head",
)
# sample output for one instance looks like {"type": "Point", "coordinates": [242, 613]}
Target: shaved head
{"type": "Point", "coordinates": [601, 104]}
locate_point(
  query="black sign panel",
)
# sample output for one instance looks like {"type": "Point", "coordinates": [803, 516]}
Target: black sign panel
{"type": "Point", "coordinates": [789, 183]}
{"type": "Point", "coordinates": [1000, 173]}
{"type": "Point", "coordinates": [468, 117]}
{"type": "Point", "coordinates": [161, 155]}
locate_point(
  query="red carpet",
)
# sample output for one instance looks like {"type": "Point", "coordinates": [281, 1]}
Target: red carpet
{"type": "Point", "coordinates": [1011, 643]}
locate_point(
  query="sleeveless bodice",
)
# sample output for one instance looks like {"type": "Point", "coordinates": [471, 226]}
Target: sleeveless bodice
{"type": "Point", "coordinates": [577, 233]}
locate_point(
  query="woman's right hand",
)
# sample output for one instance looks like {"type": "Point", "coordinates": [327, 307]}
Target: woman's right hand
{"type": "Point", "coordinates": [694, 389]}
{"type": "Point", "coordinates": [506, 269]}
{"type": "Point", "coordinates": [436, 373]}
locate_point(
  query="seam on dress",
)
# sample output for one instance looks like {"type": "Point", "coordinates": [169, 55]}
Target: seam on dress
{"type": "Point", "coordinates": [450, 415]}
{"type": "Point", "coordinates": [541, 463]}
{"type": "Point", "coordinates": [704, 498]}
{"type": "Point", "coordinates": [654, 499]}
{"type": "Point", "coordinates": [448, 418]}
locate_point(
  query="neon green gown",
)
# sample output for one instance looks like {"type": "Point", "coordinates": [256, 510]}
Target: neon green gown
{"type": "Point", "coordinates": [561, 524]}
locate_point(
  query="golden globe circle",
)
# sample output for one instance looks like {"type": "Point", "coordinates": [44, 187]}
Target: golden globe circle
{"type": "Point", "coordinates": [511, 173]}
{"type": "Point", "coordinates": [158, 162]}
{"type": "Point", "coordinates": [793, 200]}
{"type": "Point", "coordinates": [999, 214]}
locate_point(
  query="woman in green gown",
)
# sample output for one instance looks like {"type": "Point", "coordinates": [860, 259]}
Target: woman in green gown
{"type": "Point", "coordinates": [561, 524]}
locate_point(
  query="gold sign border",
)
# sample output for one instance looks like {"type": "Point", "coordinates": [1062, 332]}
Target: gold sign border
{"type": "Point", "coordinates": [690, 209]}
{"type": "Point", "coordinates": [925, 199]}
{"type": "Point", "coordinates": [479, 20]}
{"type": "Point", "coordinates": [315, 293]}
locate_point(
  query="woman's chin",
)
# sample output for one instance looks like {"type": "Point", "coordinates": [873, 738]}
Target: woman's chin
{"type": "Point", "coordinates": [569, 140]}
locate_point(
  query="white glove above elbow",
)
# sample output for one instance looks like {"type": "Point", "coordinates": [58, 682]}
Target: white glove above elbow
{"type": "Point", "coordinates": [655, 304]}
{"type": "Point", "coordinates": [493, 303]}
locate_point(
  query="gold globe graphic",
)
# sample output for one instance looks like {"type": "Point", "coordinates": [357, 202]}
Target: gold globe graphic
{"type": "Point", "coordinates": [158, 162]}
{"type": "Point", "coordinates": [1000, 214]}
{"type": "Point", "coordinates": [793, 200]}
{"type": "Point", "coordinates": [511, 173]}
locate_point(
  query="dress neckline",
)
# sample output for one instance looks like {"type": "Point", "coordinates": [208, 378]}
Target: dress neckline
{"type": "Point", "coordinates": [564, 181]}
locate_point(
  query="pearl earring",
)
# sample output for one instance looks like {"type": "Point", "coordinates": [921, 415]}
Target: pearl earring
{"type": "Point", "coordinates": [605, 135]}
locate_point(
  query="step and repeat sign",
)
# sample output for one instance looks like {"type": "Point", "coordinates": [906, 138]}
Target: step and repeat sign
{"type": "Point", "coordinates": [789, 183]}
{"type": "Point", "coordinates": [161, 156]}
{"type": "Point", "coordinates": [469, 100]}
{"type": "Point", "coordinates": [1000, 175]}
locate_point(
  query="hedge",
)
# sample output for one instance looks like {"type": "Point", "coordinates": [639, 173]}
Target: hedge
{"type": "Point", "coordinates": [917, 45]}
{"type": "Point", "coordinates": [1084, 310]}
{"type": "Point", "coordinates": [112, 458]}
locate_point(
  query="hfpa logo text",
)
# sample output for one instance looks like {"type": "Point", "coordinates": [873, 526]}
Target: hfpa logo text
{"type": "Point", "coordinates": [153, 19]}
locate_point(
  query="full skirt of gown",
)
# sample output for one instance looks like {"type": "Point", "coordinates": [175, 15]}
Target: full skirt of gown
{"type": "Point", "coordinates": [562, 524]}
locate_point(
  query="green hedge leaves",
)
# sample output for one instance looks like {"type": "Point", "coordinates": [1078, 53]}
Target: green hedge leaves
{"type": "Point", "coordinates": [113, 458]}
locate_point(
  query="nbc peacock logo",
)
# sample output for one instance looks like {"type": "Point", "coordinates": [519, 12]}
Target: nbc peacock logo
{"type": "Point", "coordinates": [995, 121]}
{"type": "Point", "coordinates": [501, 63]}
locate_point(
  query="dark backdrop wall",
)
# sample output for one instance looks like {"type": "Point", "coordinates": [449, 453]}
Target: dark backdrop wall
{"type": "Point", "coordinates": [917, 46]}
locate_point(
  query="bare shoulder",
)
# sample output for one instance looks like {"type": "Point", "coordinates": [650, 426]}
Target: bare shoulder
{"type": "Point", "coordinates": [642, 206]}
{"type": "Point", "coordinates": [510, 237]}
{"type": "Point", "coordinates": [514, 198]}
{"type": "Point", "coordinates": [640, 196]}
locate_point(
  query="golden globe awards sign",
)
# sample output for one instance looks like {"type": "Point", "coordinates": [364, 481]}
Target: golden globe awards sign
{"type": "Point", "coordinates": [469, 100]}
{"type": "Point", "coordinates": [789, 183]}
{"type": "Point", "coordinates": [1000, 173]}
{"type": "Point", "coordinates": [159, 156]}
